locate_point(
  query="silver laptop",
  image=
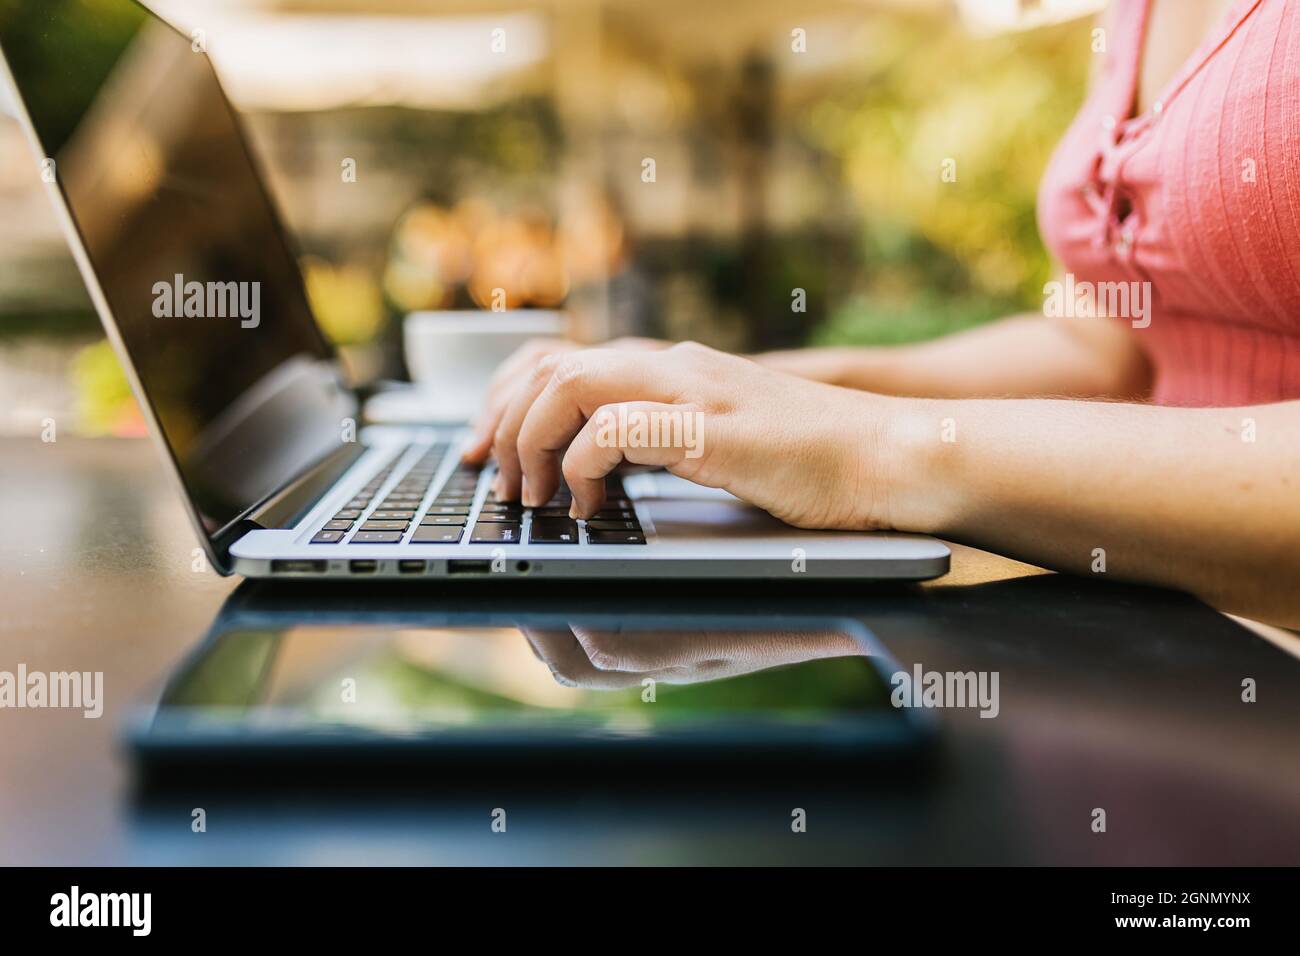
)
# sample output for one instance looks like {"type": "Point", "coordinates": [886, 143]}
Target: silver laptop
{"type": "Point", "coordinates": [193, 277]}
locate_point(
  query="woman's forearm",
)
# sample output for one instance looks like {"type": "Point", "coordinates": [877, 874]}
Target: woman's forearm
{"type": "Point", "coordinates": [1206, 500]}
{"type": "Point", "coordinates": [1020, 356]}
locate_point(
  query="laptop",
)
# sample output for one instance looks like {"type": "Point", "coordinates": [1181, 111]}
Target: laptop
{"type": "Point", "coordinates": [194, 279]}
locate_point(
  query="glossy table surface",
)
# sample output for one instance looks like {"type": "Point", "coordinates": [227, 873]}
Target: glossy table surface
{"type": "Point", "coordinates": [1113, 697]}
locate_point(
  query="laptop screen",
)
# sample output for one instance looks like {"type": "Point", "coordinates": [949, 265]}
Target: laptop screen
{"type": "Point", "coordinates": [184, 243]}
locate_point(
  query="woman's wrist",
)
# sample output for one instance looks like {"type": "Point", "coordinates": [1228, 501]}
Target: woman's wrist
{"type": "Point", "coordinates": [914, 463]}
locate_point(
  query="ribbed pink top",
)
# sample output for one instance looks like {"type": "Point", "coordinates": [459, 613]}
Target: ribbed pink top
{"type": "Point", "coordinates": [1200, 196]}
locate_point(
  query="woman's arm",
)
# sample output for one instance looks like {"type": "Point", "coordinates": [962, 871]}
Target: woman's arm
{"type": "Point", "coordinates": [1206, 500]}
{"type": "Point", "coordinates": [1020, 356]}
{"type": "Point", "coordinates": [1017, 357]}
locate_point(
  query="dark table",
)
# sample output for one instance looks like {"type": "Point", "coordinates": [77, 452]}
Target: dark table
{"type": "Point", "coordinates": [1123, 698]}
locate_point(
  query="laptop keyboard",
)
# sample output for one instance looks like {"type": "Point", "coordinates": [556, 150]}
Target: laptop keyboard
{"type": "Point", "coordinates": [402, 516]}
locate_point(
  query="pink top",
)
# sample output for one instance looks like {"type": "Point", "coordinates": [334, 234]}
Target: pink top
{"type": "Point", "coordinates": [1200, 196]}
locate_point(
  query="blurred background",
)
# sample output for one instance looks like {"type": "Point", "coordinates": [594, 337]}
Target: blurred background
{"type": "Point", "coordinates": [747, 173]}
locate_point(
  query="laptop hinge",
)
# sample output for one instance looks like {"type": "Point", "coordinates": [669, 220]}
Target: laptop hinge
{"type": "Point", "coordinates": [284, 508]}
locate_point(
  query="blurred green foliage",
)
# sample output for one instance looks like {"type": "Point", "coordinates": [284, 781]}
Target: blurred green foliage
{"type": "Point", "coordinates": [942, 255]}
{"type": "Point", "coordinates": [101, 29]}
{"type": "Point", "coordinates": [105, 405]}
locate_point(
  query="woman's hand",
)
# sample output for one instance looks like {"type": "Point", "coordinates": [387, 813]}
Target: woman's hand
{"type": "Point", "coordinates": [515, 371]}
{"type": "Point", "coordinates": [606, 659]}
{"type": "Point", "coordinates": [807, 453]}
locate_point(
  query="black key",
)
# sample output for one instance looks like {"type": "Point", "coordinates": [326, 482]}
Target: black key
{"type": "Point", "coordinates": [392, 515]}
{"type": "Point", "coordinates": [452, 502]}
{"type": "Point", "coordinates": [376, 537]}
{"type": "Point", "coordinates": [550, 512]}
{"type": "Point", "coordinates": [429, 534]}
{"type": "Point", "coordinates": [359, 503]}
{"type": "Point", "coordinates": [497, 507]}
{"type": "Point", "coordinates": [437, 509]}
{"type": "Point", "coordinates": [614, 515]}
{"type": "Point", "coordinates": [348, 514]}
{"type": "Point", "coordinates": [513, 517]}
{"type": "Point", "coordinates": [619, 504]}
{"type": "Point", "coordinates": [444, 520]}
{"type": "Point", "coordinates": [338, 524]}
{"type": "Point", "coordinates": [616, 537]}
{"type": "Point", "coordinates": [602, 525]}
{"type": "Point", "coordinates": [385, 526]}
{"type": "Point", "coordinates": [495, 533]}
{"type": "Point", "coordinates": [553, 531]}
{"type": "Point", "coordinates": [327, 537]}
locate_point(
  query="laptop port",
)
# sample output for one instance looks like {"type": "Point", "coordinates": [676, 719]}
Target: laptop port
{"type": "Point", "coordinates": [469, 567]}
{"type": "Point", "coordinates": [363, 567]}
{"type": "Point", "coordinates": [410, 567]}
{"type": "Point", "coordinates": [297, 566]}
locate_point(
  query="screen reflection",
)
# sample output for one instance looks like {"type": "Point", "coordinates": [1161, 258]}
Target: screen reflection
{"type": "Point", "coordinates": [595, 673]}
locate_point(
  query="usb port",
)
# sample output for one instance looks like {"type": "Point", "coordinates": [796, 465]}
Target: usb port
{"type": "Point", "coordinates": [410, 567]}
{"type": "Point", "coordinates": [363, 567]}
{"type": "Point", "coordinates": [469, 567]}
{"type": "Point", "coordinates": [297, 566]}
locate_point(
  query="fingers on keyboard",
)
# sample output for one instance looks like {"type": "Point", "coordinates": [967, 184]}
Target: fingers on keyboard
{"type": "Point", "coordinates": [445, 519]}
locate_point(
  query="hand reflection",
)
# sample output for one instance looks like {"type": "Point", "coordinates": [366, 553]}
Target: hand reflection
{"type": "Point", "coordinates": [595, 659]}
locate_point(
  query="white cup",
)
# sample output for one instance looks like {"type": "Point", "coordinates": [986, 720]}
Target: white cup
{"type": "Point", "coordinates": [452, 355]}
